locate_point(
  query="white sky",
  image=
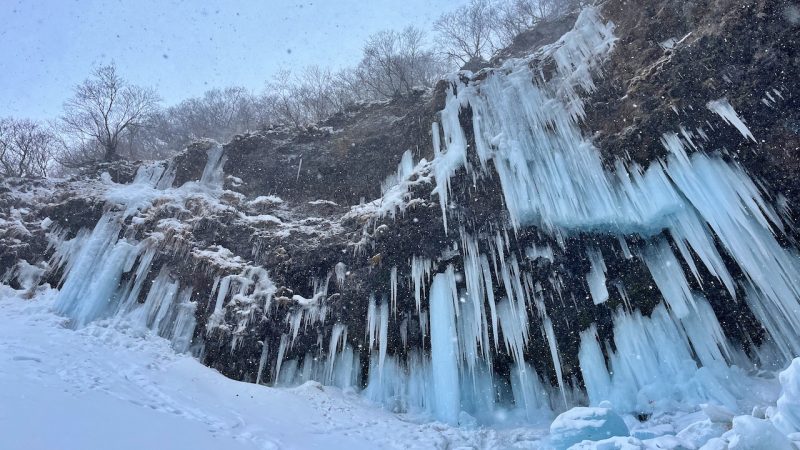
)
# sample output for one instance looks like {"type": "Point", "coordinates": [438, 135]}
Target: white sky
{"type": "Point", "coordinates": [182, 47]}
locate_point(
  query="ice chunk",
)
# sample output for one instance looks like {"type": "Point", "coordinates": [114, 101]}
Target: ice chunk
{"type": "Point", "coordinates": [698, 433]}
{"type": "Point", "coordinates": [751, 433]}
{"type": "Point", "coordinates": [787, 418]}
{"type": "Point", "coordinates": [585, 423]}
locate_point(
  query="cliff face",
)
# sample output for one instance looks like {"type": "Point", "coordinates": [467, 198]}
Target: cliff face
{"type": "Point", "coordinates": [607, 214]}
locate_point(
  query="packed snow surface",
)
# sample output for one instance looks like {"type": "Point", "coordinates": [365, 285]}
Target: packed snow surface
{"type": "Point", "coordinates": [118, 385]}
{"type": "Point", "coordinates": [116, 381]}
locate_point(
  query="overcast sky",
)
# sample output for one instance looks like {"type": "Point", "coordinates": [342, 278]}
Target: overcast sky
{"type": "Point", "coordinates": [182, 47]}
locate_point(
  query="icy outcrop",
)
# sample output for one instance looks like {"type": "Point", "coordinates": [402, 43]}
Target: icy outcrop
{"type": "Point", "coordinates": [750, 433]}
{"type": "Point", "coordinates": [787, 414]}
{"type": "Point", "coordinates": [585, 424]}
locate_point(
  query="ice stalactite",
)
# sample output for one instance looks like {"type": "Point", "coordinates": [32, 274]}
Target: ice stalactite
{"type": "Point", "coordinates": [444, 349]}
{"type": "Point", "coordinates": [393, 289]}
{"type": "Point", "coordinates": [106, 270]}
{"type": "Point", "coordinates": [724, 109]}
{"type": "Point", "coordinates": [378, 329]}
{"type": "Point", "coordinates": [262, 361]}
{"type": "Point", "coordinates": [596, 278]}
{"type": "Point", "coordinates": [383, 335]}
{"type": "Point", "coordinates": [669, 277]}
{"type": "Point", "coordinates": [94, 264]}
{"type": "Point", "coordinates": [340, 269]}
{"type": "Point", "coordinates": [281, 353]}
{"type": "Point", "coordinates": [420, 274]}
{"type": "Point", "coordinates": [338, 336]}
{"type": "Point", "coordinates": [697, 211]}
{"type": "Point", "coordinates": [247, 294]}
{"type": "Point", "coordinates": [662, 360]}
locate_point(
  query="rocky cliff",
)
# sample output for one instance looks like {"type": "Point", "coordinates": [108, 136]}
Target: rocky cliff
{"type": "Point", "coordinates": [605, 213]}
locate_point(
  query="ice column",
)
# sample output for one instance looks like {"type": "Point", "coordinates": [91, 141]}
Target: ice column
{"type": "Point", "coordinates": [444, 349]}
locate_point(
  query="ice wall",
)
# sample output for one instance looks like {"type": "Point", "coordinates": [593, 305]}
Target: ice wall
{"type": "Point", "coordinates": [108, 274]}
{"type": "Point", "coordinates": [488, 347]}
{"type": "Point", "coordinates": [692, 213]}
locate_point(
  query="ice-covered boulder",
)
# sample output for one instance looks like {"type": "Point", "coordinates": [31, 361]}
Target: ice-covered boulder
{"type": "Point", "coordinates": [585, 424]}
{"type": "Point", "coordinates": [698, 433]}
{"type": "Point", "coordinates": [613, 443]}
{"type": "Point", "coordinates": [750, 433]}
{"type": "Point", "coordinates": [787, 418]}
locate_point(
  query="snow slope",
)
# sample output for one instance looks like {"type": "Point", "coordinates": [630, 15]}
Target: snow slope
{"type": "Point", "coordinates": [102, 387]}
{"type": "Point", "coordinates": [120, 386]}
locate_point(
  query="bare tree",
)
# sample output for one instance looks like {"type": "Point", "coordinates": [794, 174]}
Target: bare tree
{"type": "Point", "coordinates": [395, 63]}
{"type": "Point", "coordinates": [517, 16]}
{"type": "Point", "coordinates": [468, 32]}
{"type": "Point", "coordinates": [26, 148]}
{"type": "Point", "coordinates": [219, 114]}
{"type": "Point", "coordinates": [281, 94]}
{"type": "Point", "coordinates": [103, 109]}
{"type": "Point", "coordinates": [313, 89]}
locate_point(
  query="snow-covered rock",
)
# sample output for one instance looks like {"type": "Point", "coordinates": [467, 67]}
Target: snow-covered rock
{"type": "Point", "coordinates": [787, 413]}
{"type": "Point", "coordinates": [586, 424]}
{"type": "Point", "coordinates": [750, 433]}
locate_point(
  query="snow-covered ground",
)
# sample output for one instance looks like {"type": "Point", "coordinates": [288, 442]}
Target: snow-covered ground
{"type": "Point", "coordinates": [122, 387]}
{"type": "Point", "coordinates": [101, 387]}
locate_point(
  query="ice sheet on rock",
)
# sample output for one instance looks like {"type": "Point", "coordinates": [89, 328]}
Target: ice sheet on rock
{"type": "Point", "coordinates": [213, 176]}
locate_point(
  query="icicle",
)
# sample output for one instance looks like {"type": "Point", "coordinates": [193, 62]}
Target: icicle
{"type": "Point", "coordinates": [653, 363]}
{"type": "Point", "coordinates": [420, 271]}
{"type": "Point", "coordinates": [593, 367]}
{"type": "Point", "coordinates": [669, 277]}
{"type": "Point", "coordinates": [338, 334]}
{"type": "Point", "coordinates": [623, 245]}
{"type": "Point", "coordinates": [472, 322]}
{"type": "Point", "coordinates": [529, 393]}
{"type": "Point", "coordinates": [93, 273]}
{"type": "Point", "coordinates": [424, 323]}
{"type": "Point", "coordinates": [263, 360]}
{"type": "Point", "coordinates": [279, 361]}
{"type": "Point", "coordinates": [393, 289]}
{"type": "Point", "coordinates": [596, 278]}
{"type": "Point", "coordinates": [487, 278]}
{"type": "Point", "coordinates": [547, 324]}
{"type": "Point", "coordinates": [341, 274]}
{"type": "Point", "coordinates": [383, 333]}
{"type": "Point", "coordinates": [724, 109]}
{"type": "Point", "coordinates": [444, 349]}
{"type": "Point", "coordinates": [372, 323]}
